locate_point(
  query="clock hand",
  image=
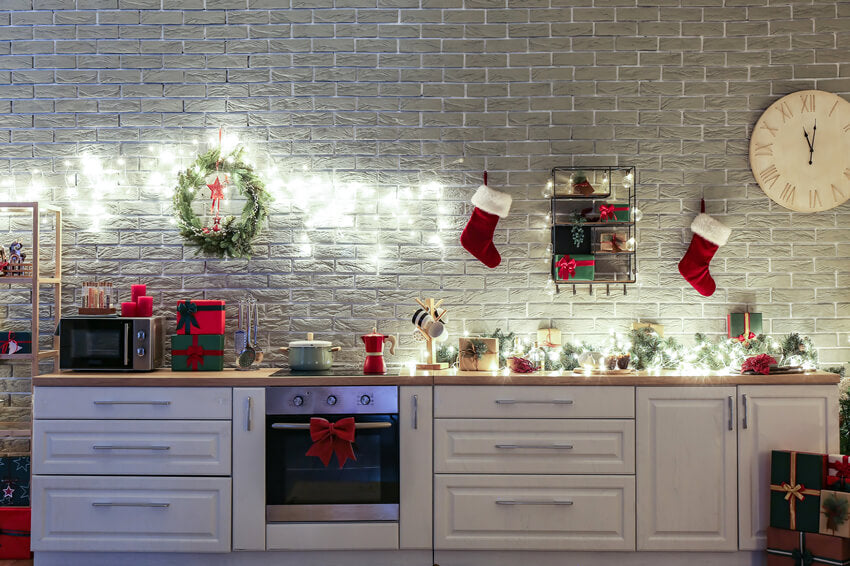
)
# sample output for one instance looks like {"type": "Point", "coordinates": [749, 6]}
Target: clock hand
{"type": "Point", "coordinates": [814, 135]}
{"type": "Point", "coordinates": [806, 135]}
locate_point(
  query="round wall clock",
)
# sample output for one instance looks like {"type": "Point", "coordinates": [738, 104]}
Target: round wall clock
{"type": "Point", "coordinates": [800, 151]}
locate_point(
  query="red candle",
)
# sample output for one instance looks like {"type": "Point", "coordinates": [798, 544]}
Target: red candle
{"type": "Point", "coordinates": [137, 291]}
{"type": "Point", "coordinates": [145, 306]}
{"type": "Point", "coordinates": [128, 309]}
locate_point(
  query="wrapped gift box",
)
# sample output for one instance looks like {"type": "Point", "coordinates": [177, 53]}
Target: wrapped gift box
{"type": "Point", "coordinates": [15, 343]}
{"type": "Point", "coordinates": [838, 472]}
{"type": "Point", "coordinates": [487, 362]}
{"type": "Point", "coordinates": [572, 268]}
{"type": "Point", "coordinates": [614, 212]}
{"type": "Point", "coordinates": [796, 480]}
{"type": "Point", "coordinates": [743, 325]}
{"type": "Point", "coordinates": [15, 481]}
{"type": "Point", "coordinates": [549, 337]}
{"type": "Point", "coordinates": [15, 533]}
{"type": "Point", "coordinates": [793, 548]}
{"type": "Point", "coordinates": [564, 240]}
{"type": "Point", "coordinates": [198, 352]}
{"type": "Point", "coordinates": [658, 328]}
{"type": "Point", "coordinates": [200, 317]}
{"type": "Point", "coordinates": [613, 241]}
{"type": "Point", "coordinates": [835, 513]}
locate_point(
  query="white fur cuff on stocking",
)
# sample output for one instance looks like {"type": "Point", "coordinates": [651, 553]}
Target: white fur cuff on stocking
{"type": "Point", "coordinates": [712, 230]}
{"type": "Point", "coordinates": [492, 201]}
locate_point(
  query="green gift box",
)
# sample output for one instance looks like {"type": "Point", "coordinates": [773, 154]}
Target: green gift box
{"type": "Point", "coordinates": [796, 480]}
{"type": "Point", "coordinates": [197, 352]}
{"type": "Point", "coordinates": [743, 325]}
{"type": "Point", "coordinates": [614, 212]}
{"type": "Point", "coordinates": [576, 267]}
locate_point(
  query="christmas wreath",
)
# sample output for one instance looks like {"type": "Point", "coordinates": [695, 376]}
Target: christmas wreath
{"type": "Point", "coordinates": [230, 236]}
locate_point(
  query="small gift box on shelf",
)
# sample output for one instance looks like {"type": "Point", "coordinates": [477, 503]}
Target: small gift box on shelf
{"type": "Point", "coordinates": [793, 548]}
{"type": "Point", "coordinates": [613, 242]}
{"type": "Point", "coordinates": [200, 317]}
{"type": "Point", "coordinates": [835, 513]}
{"type": "Point", "coordinates": [15, 533]}
{"type": "Point", "coordinates": [614, 212]}
{"type": "Point", "coordinates": [478, 354]}
{"type": "Point", "coordinates": [197, 352]}
{"type": "Point", "coordinates": [573, 240]}
{"type": "Point", "coordinates": [549, 337]}
{"type": "Point", "coordinates": [15, 343]}
{"type": "Point", "coordinates": [796, 480]}
{"type": "Point", "coordinates": [743, 325]}
{"type": "Point", "coordinates": [575, 268]}
{"type": "Point", "coordinates": [838, 472]}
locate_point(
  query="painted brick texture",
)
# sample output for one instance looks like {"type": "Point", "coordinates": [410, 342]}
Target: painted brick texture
{"type": "Point", "coordinates": [401, 93]}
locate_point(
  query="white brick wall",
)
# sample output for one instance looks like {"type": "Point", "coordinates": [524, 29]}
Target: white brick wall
{"type": "Point", "coordinates": [394, 93]}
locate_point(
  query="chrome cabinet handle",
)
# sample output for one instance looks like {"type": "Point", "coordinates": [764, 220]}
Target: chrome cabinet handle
{"type": "Point", "coordinates": [533, 502]}
{"type": "Point", "coordinates": [534, 402]}
{"type": "Point", "coordinates": [731, 410]}
{"type": "Point", "coordinates": [129, 504]}
{"type": "Point", "coordinates": [306, 426]}
{"type": "Point", "coordinates": [122, 447]}
{"type": "Point", "coordinates": [249, 411]}
{"type": "Point", "coordinates": [126, 344]}
{"type": "Point", "coordinates": [746, 416]}
{"type": "Point", "coordinates": [163, 403]}
{"type": "Point", "coordinates": [415, 401]}
{"type": "Point", "coordinates": [535, 446]}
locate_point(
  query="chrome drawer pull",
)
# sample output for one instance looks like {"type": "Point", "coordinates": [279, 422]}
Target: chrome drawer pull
{"type": "Point", "coordinates": [306, 426]}
{"type": "Point", "coordinates": [536, 446]}
{"type": "Point", "coordinates": [119, 447]}
{"type": "Point", "coordinates": [532, 502]}
{"type": "Point", "coordinates": [129, 504]}
{"type": "Point", "coordinates": [534, 402]}
{"type": "Point", "coordinates": [132, 402]}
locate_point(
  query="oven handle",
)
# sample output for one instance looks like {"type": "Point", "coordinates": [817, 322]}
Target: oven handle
{"type": "Point", "coordinates": [306, 426]}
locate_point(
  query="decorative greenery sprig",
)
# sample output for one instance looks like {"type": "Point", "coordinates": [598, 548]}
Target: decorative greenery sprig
{"type": "Point", "coordinates": [576, 230]}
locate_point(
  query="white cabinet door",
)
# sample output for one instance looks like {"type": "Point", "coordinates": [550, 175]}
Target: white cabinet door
{"type": "Point", "coordinates": [415, 411]}
{"type": "Point", "coordinates": [249, 468]}
{"type": "Point", "coordinates": [777, 417]}
{"type": "Point", "coordinates": [686, 469]}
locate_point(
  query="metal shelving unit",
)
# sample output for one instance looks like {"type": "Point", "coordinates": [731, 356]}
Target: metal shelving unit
{"type": "Point", "coordinates": [612, 184]}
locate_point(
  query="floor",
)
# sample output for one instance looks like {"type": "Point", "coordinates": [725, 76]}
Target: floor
{"type": "Point", "coordinates": [15, 562]}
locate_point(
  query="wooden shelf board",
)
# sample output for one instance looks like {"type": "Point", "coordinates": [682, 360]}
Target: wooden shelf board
{"type": "Point", "coordinates": [596, 282]}
{"type": "Point", "coordinates": [15, 356]}
{"type": "Point", "coordinates": [49, 280]}
{"type": "Point", "coordinates": [44, 354]}
{"type": "Point", "coordinates": [617, 223]}
{"type": "Point", "coordinates": [13, 280]}
{"type": "Point", "coordinates": [594, 196]}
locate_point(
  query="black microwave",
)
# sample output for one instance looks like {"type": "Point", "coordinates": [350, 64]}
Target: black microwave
{"type": "Point", "coordinates": [103, 343]}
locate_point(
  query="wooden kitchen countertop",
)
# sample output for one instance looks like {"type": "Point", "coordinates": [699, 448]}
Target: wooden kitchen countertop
{"type": "Point", "coordinates": [263, 378]}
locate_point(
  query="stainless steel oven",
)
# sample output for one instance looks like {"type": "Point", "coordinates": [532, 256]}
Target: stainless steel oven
{"type": "Point", "coordinates": [111, 343]}
{"type": "Point", "coordinates": [301, 488]}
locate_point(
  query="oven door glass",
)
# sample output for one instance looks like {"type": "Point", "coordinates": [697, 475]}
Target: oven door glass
{"type": "Point", "coordinates": [292, 478]}
{"type": "Point", "coordinates": [92, 343]}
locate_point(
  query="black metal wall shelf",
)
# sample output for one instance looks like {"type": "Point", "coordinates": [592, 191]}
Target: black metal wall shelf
{"type": "Point", "coordinates": [611, 184]}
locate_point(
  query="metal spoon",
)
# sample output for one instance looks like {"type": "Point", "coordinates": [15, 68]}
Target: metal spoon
{"type": "Point", "coordinates": [249, 355]}
{"type": "Point", "coordinates": [239, 339]}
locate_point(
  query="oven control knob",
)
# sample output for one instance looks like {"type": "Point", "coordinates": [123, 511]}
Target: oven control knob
{"type": "Point", "coordinates": [365, 399]}
{"type": "Point", "coordinates": [298, 400]}
{"type": "Point", "coordinates": [331, 400]}
{"type": "Point", "coordinates": [140, 352]}
{"type": "Point", "coordinates": [140, 335]}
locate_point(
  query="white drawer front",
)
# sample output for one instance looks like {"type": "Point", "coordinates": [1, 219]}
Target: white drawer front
{"type": "Point", "coordinates": [132, 403]}
{"type": "Point", "coordinates": [162, 448]}
{"type": "Point", "coordinates": [131, 514]}
{"type": "Point", "coordinates": [533, 402]}
{"type": "Point", "coordinates": [531, 446]}
{"type": "Point", "coordinates": [534, 512]}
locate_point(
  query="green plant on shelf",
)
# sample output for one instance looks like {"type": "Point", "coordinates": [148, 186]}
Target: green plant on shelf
{"type": "Point", "coordinates": [576, 230]}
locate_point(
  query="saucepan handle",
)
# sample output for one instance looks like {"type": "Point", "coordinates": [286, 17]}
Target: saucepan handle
{"type": "Point", "coordinates": [336, 349]}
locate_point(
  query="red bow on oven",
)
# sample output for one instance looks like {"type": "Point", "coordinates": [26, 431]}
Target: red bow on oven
{"type": "Point", "coordinates": [332, 438]}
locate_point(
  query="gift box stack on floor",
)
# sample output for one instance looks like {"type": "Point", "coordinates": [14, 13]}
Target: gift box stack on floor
{"type": "Point", "coordinates": [14, 507]}
{"type": "Point", "coordinates": [199, 342]}
{"type": "Point", "coordinates": [809, 509]}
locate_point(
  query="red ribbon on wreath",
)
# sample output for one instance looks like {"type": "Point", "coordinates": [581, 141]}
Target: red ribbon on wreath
{"type": "Point", "coordinates": [332, 438]}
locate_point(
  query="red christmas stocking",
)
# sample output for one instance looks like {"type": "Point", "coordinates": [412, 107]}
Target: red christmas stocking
{"type": "Point", "coordinates": [709, 235]}
{"type": "Point", "coordinates": [477, 237]}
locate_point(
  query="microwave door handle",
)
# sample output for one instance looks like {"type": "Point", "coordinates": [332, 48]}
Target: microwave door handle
{"type": "Point", "coordinates": [126, 344]}
{"type": "Point", "coordinates": [306, 426]}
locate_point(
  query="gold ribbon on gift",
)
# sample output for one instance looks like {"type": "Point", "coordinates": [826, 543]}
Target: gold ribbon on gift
{"type": "Point", "coordinates": [793, 491]}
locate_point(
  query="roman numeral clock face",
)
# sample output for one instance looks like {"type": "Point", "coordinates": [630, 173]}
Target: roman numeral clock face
{"type": "Point", "coordinates": [800, 151]}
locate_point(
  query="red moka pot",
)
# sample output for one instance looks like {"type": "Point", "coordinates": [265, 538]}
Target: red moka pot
{"type": "Point", "coordinates": [375, 351]}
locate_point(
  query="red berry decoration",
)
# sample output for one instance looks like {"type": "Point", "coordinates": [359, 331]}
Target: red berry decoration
{"type": "Point", "coordinates": [206, 230]}
{"type": "Point", "coordinates": [216, 228]}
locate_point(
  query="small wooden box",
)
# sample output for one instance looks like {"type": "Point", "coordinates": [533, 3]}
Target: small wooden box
{"type": "Point", "coordinates": [487, 362]}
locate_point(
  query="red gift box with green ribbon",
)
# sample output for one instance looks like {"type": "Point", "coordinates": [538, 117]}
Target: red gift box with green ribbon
{"type": "Point", "coordinates": [576, 267]}
{"type": "Point", "coordinates": [15, 342]}
{"type": "Point", "coordinates": [796, 480]}
{"type": "Point", "coordinates": [197, 352]}
{"type": "Point", "coordinates": [614, 212]}
{"type": "Point", "coordinates": [200, 317]}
